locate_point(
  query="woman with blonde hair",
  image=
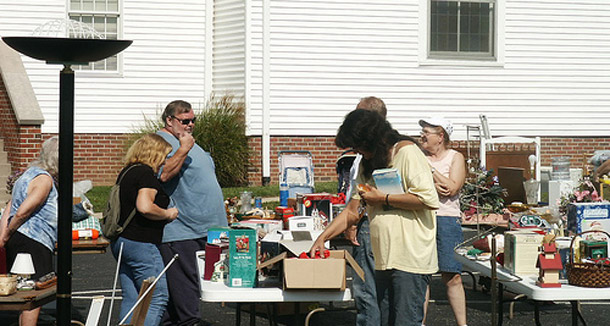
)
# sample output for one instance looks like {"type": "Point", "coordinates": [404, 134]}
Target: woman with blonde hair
{"type": "Point", "coordinates": [29, 221]}
{"type": "Point", "coordinates": [141, 192]}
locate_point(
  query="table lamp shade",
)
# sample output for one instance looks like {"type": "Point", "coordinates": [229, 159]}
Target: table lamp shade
{"type": "Point", "coordinates": [23, 264]}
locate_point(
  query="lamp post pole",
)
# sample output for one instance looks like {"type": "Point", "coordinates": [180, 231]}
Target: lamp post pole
{"type": "Point", "coordinates": [65, 51]}
{"type": "Point", "coordinates": [64, 224]}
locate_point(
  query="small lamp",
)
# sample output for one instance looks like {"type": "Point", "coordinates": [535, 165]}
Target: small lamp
{"type": "Point", "coordinates": [24, 267]}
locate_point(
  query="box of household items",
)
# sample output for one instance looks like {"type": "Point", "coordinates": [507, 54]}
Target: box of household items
{"type": "Point", "coordinates": [242, 257]}
{"type": "Point", "coordinates": [521, 251]}
{"type": "Point", "coordinates": [301, 223]}
{"type": "Point", "coordinates": [320, 207]}
{"type": "Point", "coordinates": [587, 216]}
{"type": "Point", "coordinates": [216, 245]}
{"type": "Point", "coordinates": [303, 272]}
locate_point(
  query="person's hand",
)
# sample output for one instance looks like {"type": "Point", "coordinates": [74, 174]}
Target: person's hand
{"type": "Point", "coordinates": [442, 190]}
{"type": "Point", "coordinates": [351, 233]}
{"type": "Point", "coordinates": [3, 240]}
{"type": "Point", "coordinates": [186, 140]}
{"type": "Point", "coordinates": [318, 245]}
{"type": "Point", "coordinates": [372, 196]}
{"type": "Point", "coordinates": [172, 213]}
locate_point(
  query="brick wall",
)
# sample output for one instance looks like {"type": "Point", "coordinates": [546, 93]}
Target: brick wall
{"type": "Point", "coordinates": [21, 142]}
{"type": "Point", "coordinates": [325, 154]}
{"type": "Point", "coordinates": [98, 157]}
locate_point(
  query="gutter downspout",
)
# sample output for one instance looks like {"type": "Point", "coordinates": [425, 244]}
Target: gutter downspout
{"type": "Point", "coordinates": [266, 110]}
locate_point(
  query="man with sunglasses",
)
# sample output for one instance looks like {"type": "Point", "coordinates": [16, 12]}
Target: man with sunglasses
{"type": "Point", "coordinates": [189, 177]}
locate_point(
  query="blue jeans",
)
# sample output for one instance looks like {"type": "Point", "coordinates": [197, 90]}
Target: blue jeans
{"type": "Point", "coordinates": [365, 294]}
{"type": "Point", "coordinates": [139, 261]}
{"type": "Point", "coordinates": [401, 297]}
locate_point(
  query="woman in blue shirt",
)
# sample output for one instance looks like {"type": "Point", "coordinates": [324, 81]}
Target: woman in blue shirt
{"type": "Point", "coordinates": [29, 221]}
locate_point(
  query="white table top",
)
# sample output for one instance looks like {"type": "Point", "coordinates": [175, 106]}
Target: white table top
{"type": "Point", "coordinates": [527, 284]}
{"type": "Point", "coordinates": [219, 292]}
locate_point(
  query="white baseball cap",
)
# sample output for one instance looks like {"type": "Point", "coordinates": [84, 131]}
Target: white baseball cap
{"type": "Point", "coordinates": [437, 122]}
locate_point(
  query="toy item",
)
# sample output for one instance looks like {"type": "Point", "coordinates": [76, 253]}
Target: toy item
{"type": "Point", "coordinates": [85, 234]}
{"type": "Point", "coordinates": [549, 264]}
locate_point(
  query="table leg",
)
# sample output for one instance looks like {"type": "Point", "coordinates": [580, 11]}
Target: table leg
{"type": "Point", "coordinates": [238, 314]}
{"type": "Point", "coordinates": [537, 313]}
{"type": "Point", "coordinates": [252, 314]}
{"type": "Point", "coordinates": [500, 303]}
{"type": "Point", "coordinates": [576, 315]}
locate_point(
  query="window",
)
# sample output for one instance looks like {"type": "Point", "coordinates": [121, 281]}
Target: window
{"type": "Point", "coordinates": [462, 29]}
{"type": "Point", "coordinates": [104, 16]}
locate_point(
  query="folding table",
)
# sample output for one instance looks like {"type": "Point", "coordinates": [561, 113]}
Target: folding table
{"type": "Point", "coordinates": [526, 285]}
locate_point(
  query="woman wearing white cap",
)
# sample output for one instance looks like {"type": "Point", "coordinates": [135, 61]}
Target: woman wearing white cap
{"type": "Point", "coordinates": [449, 173]}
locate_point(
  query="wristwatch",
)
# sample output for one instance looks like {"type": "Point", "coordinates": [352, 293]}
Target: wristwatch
{"type": "Point", "coordinates": [433, 170]}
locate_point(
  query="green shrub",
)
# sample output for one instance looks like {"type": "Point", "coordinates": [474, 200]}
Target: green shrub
{"type": "Point", "coordinates": [221, 131]}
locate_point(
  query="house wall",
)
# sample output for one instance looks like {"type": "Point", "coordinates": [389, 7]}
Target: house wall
{"type": "Point", "coordinates": [165, 62]}
{"type": "Point", "coordinates": [552, 79]}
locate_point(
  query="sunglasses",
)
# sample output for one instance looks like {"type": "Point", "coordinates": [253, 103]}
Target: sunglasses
{"type": "Point", "coordinates": [186, 121]}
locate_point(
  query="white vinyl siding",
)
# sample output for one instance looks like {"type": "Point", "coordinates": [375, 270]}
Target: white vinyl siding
{"type": "Point", "coordinates": [229, 43]}
{"type": "Point", "coordinates": [164, 63]}
{"type": "Point", "coordinates": [551, 78]}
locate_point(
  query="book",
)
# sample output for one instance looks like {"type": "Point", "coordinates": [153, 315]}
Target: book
{"type": "Point", "coordinates": [388, 181]}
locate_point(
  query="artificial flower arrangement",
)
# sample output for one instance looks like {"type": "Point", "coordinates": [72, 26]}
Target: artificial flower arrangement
{"type": "Point", "coordinates": [482, 194]}
{"type": "Point", "coordinates": [585, 192]}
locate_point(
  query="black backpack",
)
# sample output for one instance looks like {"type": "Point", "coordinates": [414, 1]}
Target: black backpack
{"type": "Point", "coordinates": [109, 222]}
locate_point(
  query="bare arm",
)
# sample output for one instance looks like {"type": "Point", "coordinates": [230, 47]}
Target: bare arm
{"type": "Point", "coordinates": [404, 201]}
{"type": "Point", "coordinates": [38, 191]}
{"type": "Point", "coordinates": [4, 221]}
{"type": "Point", "coordinates": [174, 164]}
{"type": "Point", "coordinates": [450, 186]}
{"type": "Point", "coordinates": [346, 218]}
{"type": "Point", "coordinates": [145, 205]}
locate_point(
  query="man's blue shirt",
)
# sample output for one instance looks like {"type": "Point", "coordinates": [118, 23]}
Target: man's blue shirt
{"type": "Point", "coordinates": [196, 193]}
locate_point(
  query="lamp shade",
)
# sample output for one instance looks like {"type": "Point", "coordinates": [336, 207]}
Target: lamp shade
{"type": "Point", "coordinates": [23, 264]}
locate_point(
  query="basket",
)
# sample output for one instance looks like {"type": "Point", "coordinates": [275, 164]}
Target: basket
{"type": "Point", "coordinates": [8, 284]}
{"type": "Point", "coordinates": [587, 274]}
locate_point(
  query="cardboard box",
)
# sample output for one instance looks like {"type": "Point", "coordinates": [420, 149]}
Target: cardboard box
{"type": "Point", "coordinates": [218, 235]}
{"type": "Point", "coordinates": [304, 274]}
{"type": "Point", "coordinates": [242, 257]}
{"type": "Point", "coordinates": [586, 216]}
{"type": "Point", "coordinates": [320, 205]}
{"type": "Point", "coordinates": [521, 251]}
{"type": "Point", "coordinates": [268, 226]}
{"type": "Point", "coordinates": [301, 223]}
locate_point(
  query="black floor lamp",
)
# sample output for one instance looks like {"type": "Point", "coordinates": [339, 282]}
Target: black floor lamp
{"type": "Point", "coordinates": [65, 51]}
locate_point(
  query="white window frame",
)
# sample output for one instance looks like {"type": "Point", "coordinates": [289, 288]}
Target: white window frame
{"type": "Point", "coordinates": [119, 31]}
{"type": "Point", "coordinates": [451, 58]}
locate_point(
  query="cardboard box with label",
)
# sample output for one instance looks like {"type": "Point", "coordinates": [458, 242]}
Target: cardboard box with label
{"type": "Point", "coordinates": [301, 223]}
{"type": "Point", "coordinates": [587, 216]}
{"type": "Point", "coordinates": [521, 251]}
{"type": "Point", "coordinates": [328, 273]}
{"type": "Point", "coordinates": [242, 258]}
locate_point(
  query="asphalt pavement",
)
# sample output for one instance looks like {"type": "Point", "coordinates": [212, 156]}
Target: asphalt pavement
{"type": "Point", "coordinates": [94, 274]}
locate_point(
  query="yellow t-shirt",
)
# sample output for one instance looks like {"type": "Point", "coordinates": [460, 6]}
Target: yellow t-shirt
{"type": "Point", "coordinates": [406, 239]}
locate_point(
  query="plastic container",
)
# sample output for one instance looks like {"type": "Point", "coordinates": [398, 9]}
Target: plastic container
{"type": "Point", "coordinates": [258, 202]}
{"type": "Point", "coordinates": [246, 201]}
{"type": "Point", "coordinates": [560, 168]}
{"type": "Point", "coordinates": [283, 194]}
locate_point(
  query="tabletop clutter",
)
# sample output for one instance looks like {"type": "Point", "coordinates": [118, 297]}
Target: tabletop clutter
{"type": "Point", "coordinates": [270, 248]}
{"type": "Point", "coordinates": [533, 246]}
